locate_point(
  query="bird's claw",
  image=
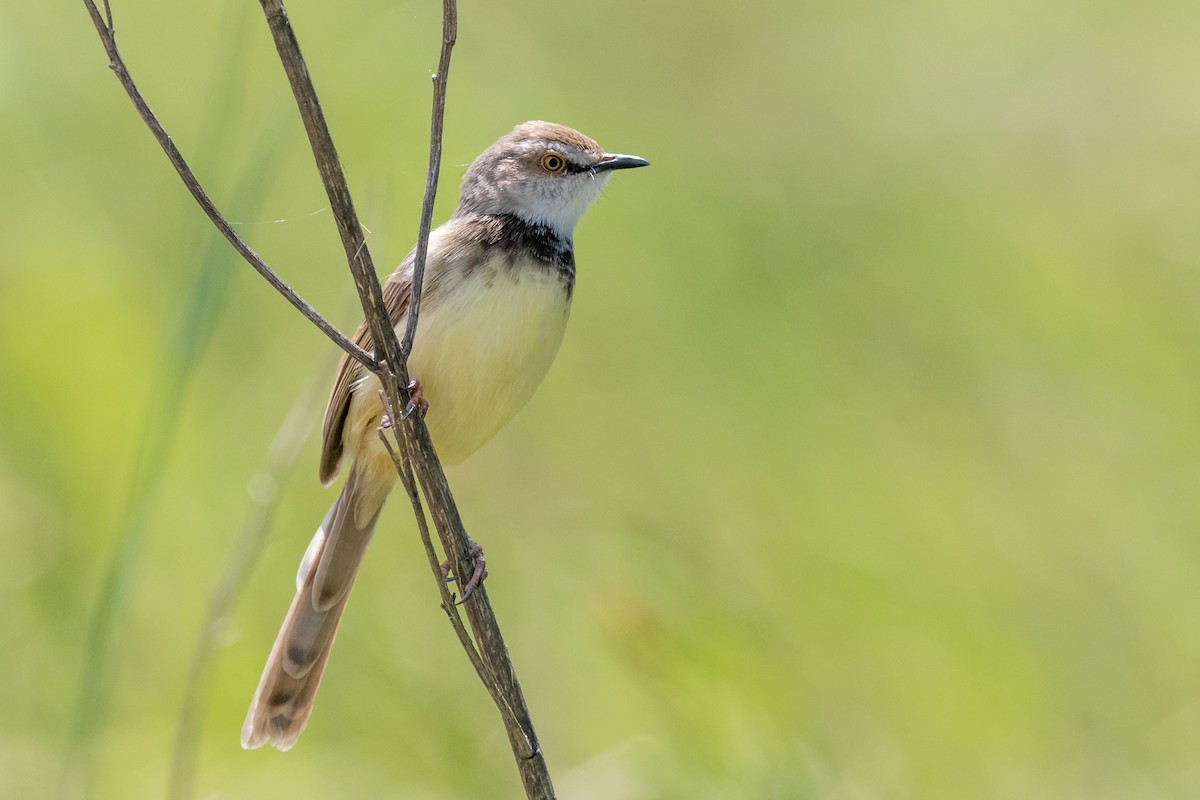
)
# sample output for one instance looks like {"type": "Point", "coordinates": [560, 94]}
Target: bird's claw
{"type": "Point", "coordinates": [477, 575]}
{"type": "Point", "coordinates": [416, 400]}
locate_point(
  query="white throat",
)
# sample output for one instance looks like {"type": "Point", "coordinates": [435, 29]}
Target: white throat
{"type": "Point", "coordinates": [561, 207]}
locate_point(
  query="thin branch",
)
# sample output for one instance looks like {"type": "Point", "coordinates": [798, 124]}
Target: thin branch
{"type": "Point", "coordinates": [358, 255]}
{"type": "Point", "coordinates": [104, 27]}
{"type": "Point", "coordinates": [440, 78]}
{"type": "Point", "coordinates": [403, 466]}
{"type": "Point", "coordinates": [404, 469]}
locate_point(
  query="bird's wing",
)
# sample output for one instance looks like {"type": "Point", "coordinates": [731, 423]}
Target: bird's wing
{"type": "Point", "coordinates": [396, 293]}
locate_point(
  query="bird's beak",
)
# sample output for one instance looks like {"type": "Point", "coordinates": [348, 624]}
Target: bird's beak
{"type": "Point", "coordinates": [611, 161]}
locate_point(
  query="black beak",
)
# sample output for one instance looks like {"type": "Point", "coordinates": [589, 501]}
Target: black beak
{"type": "Point", "coordinates": [611, 161]}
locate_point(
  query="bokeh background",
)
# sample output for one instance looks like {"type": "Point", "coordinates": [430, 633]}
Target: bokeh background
{"type": "Point", "coordinates": [870, 466]}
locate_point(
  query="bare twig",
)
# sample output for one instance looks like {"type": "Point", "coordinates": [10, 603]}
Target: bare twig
{"type": "Point", "coordinates": [404, 469]}
{"type": "Point", "coordinates": [104, 27]}
{"type": "Point", "coordinates": [449, 37]}
{"type": "Point", "coordinates": [358, 255]}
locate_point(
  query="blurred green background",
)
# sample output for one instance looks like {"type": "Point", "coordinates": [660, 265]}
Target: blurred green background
{"type": "Point", "coordinates": [870, 467]}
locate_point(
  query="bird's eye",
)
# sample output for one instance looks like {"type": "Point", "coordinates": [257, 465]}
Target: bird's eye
{"type": "Point", "coordinates": [553, 162]}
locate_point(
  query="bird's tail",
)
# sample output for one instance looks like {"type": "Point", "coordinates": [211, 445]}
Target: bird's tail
{"type": "Point", "coordinates": [284, 698]}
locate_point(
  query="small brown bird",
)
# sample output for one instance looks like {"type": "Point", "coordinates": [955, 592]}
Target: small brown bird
{"type": "Point", "coordinates": [499, 277]}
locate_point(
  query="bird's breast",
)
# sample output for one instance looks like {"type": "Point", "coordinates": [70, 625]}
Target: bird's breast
{"type": "Point", "coordinates": [484, 342]}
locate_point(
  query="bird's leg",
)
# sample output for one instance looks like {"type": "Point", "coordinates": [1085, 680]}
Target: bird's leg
{"type": "Point", "coordinates": [416, 400]}
{"type": "Point", "coordinates": [477, 575]}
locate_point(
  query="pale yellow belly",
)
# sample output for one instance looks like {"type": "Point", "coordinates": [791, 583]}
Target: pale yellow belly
{"type": "Point", "coordinates": [480, 352]}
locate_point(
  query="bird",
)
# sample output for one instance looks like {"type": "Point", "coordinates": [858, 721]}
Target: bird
{"type": "Point", "coordinates": [498, 284]}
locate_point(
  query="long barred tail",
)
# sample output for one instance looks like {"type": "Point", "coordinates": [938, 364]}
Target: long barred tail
{"type": "Point", "coordinates": [284, 698]}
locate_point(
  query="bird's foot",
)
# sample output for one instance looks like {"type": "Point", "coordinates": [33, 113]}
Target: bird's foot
{"type": "Point", "coordinates": [477, 575]}
{"type": "Point", "coordinates": [416, 400]}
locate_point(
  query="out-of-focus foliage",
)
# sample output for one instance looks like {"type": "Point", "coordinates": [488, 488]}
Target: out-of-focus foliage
{"type": "Point", "coordinates": [870, 467]}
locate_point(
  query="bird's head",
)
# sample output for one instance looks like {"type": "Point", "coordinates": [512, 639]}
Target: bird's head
{"type": "Point", "coordinates": [544, 173]}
